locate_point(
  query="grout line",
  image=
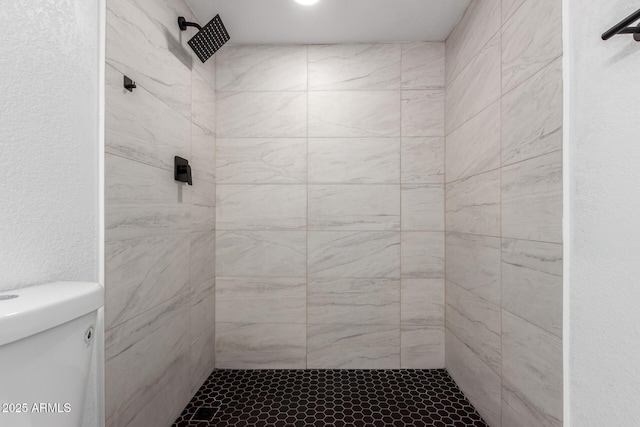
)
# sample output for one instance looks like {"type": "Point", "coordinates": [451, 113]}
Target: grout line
{"type": "Point", "coordinates": [167, 302]}
{"type": "Point", "coordinates": [531, 323]}
{"type": "Point", "coordinates": [534, 75]}
{"type": "Point", "coordinates": [401, 222]}
{"type": "Point", "coordinates": [154, 95]}
{"type": "Point", "coordinates": [475, 353]}
{"type": "Point", "coordinates": [375, 138]}
{"type": "Point", "coordinates": [315, 230]}
{"type": "Point", "coordinates": [334, 184]}
{"type": "Point", "coordinates": [472, 58]}
{"type": "Point", "coordinates": [501, 209]}
{"type": "Point", "coordinates": [462, 233]}
{"type": "Point", "coordinates": [503, 166]}
{"type": "Point", "coordinates": [215, 191]}
{"type": "Point", "coordinates": [306, 266]}
{"type": "Point", "coordinates": [399, 89]}
{"type": "Point", "coordinates": [444, 209]}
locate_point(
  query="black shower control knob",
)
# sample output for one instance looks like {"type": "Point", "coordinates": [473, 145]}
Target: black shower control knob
{"type": "Point", "coordinates": [182, 170]}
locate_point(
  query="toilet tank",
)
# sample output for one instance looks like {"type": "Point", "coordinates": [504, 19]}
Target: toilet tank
{"type": "Point", "coordinates": [46, 340]}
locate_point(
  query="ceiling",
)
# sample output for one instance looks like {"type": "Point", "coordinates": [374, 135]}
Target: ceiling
{"type": "Point", "coordinates": [333, 21]}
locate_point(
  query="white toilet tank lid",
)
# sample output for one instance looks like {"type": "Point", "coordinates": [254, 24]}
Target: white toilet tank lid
{"type": "Point", "coordinates": [28, 311]}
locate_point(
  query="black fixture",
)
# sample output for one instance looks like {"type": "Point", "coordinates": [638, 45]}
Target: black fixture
{"type": "Point", "coordinates": [129, 84]}
{"type": "Point", "coordinates": [209, 39]}
{"type": "Point", "coordinates": [183, 24]}
{"type": "Point", "coordinates": [182, 170]}
{"type": "Point", "coordinates": [623, 27]}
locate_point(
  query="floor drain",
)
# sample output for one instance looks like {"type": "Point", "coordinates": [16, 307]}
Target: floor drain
{"type": "Point", "coordinates": [204, 414]}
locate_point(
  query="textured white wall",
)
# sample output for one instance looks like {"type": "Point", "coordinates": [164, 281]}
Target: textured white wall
{"type": "Point", "coordinates": [604, 157]}
{"type": "Point", "coordinates": [48, 141]}
{"type": "Point", "coordinates": [49, 150]}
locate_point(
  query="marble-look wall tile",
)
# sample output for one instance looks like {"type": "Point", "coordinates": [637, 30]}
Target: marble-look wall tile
{"type": "Point", "coordinates": [476, 87]}
{"type": "Point", "coordinates": [142, 200]}
{"type": "Point", "coordinates": [479, 383]}
{"type": "Point", "coordinates": [206, 287]}
{"type": "Point", "coordinates": [261, 300]}
{"type": "Point", "coordinates": [203, 154]}
{"type": "Point", "coordinates": [532, 116]}
{"type": "Point", "coordinates": [153, 140]}
{"type": "Point", "coordinates": [423, 207]}
{"type": "Point", "coordinates": [480, 22]}
{"type": "Point", "coordinates": [354, 207]}
{"type": "Point", "coordinates": [473, 204]}
{"type": "Point", "coordinates": [202, 359]}
{"type": "Point", "coordinates": [143, 273]}
{"type": "Point", "coordinates": [509, 7]}
{"type": "Point", "coordinates": [354, 301]}
{"type": "Point", "coordinates": [422, 254]}
{"type": "Point", "coordinates": [423, 65]}
{"type": "Point", "coordinates": [354, 67]}
{"type": "Point", "coordinates": [476, 322]}
{"type": "Point", "coordinates": [261, 68]}
{"type": "Point", "coordinates": [261, 207]}
{"type": "Point", "coordinates": [351, 168]}
{"type": "Point", "coordinates": [163, 15]}
{"type": "Point", "coordinates": [423, 112]}
{"type": "Point", "coordinates": [261, 254]}
{"type": "Point", "coordinates": [261, 160]}
{"type": "Point", "coordinates": [354, 254]}
{"type": "Point", "coordinates": [354, 161]}
{"type": "Point", "coordinates": [261, 114]}
{"type": "Point", "coordinates": [136, 46]}
{"type": "Point", "coordinates": [203, 267]}
{"type": "Point", "coordinates": [139, 353]}
{"type": "Point", "coordinates": [353, 347]}
{"type": "Point", "coordinates": [160, 277]}
{"type": "Point", "coordinates": [473, 263]}
{"type": "Point", "coordinates": [422, 160]}
{"type": "Point", "coordinates": [203, 102]}
{"type": "Point", "coordinates": [474, 147]}
{"type": "Point", "coordinates": [203, 206]}
{"type": "Point", "coordinates": [503, 125]}
{"type": "Point", "coordinates": [354, 114]}
{"type": "Point", "coordinates": [532, 199]}
{"type": "Point", "coordinates": [531, 39]}
{"type": "Point", "coordinates": [423, 302]}
{"type": "Point", "coordinates": [532, 282]}
{"type": "Point", "coordinates": [531, 375]}
{"type": "Point", "coordinates": [422, 347]}
{"type": "Point", "coordinates": [160, 401]}
{"type": "Point", "coordinates": [202, 315]}
{"type": "Point", "coordinates": [260, 346]}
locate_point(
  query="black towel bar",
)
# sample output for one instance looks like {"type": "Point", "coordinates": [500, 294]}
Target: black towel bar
{"type": "Point", "coordinates": [623, 27]}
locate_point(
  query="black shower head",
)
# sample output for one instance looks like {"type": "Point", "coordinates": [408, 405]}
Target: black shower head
{"type": "Point", "coordinates": [209, 39]}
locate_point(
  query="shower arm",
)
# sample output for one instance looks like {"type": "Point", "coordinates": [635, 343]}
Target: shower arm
{"type": "Point", "coordinates": [183, 24]}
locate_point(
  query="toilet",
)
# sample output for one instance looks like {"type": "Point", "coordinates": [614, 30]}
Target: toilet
{"type": "Point", "coordinates": [47, 335]}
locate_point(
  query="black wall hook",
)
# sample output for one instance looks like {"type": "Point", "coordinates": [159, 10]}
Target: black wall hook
{"type": "Point", "coordinates": [129, 84]}
{"type": "Point", "coordinates": [623, 27]}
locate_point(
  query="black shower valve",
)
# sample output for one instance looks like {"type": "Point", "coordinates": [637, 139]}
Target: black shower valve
{"type": "Point", "coordinates": [182, 170]}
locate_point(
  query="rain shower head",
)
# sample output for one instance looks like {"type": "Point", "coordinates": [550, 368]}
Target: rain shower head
{"type": "Point", "coordinates": [209, 39]}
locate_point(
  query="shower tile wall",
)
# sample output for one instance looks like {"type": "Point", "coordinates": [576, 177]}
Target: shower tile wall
{"type": "Point", "coordinates": [160, 234]}
{"type": "Point", "coordinates": [330, 206]}
{"type": "Point", "coordinates": [504, 210]}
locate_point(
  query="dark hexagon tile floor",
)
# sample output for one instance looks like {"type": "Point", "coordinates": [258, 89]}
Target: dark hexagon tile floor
{"type": "Point", "coordinates": [340, 398]}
